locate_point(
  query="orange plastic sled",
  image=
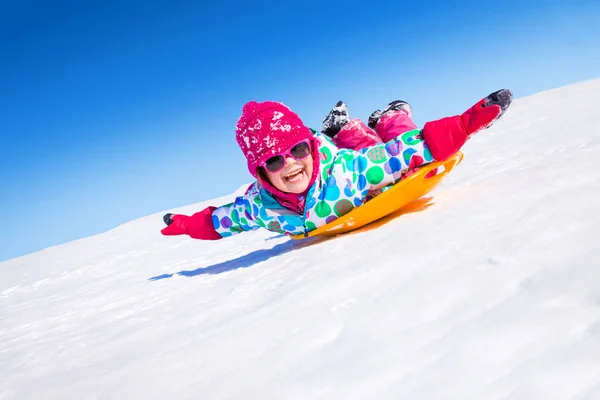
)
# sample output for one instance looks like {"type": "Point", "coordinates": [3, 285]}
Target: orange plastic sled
{"type": "Point", "coordinates": [404, 192]}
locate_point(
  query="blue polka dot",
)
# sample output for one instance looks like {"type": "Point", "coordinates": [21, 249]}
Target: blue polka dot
{"type": "Point", "coordinates": [331, 182]}
{"type": "Point", "coordinates": [255, 209]}
{"type": "Point", "coordinates": [427, 154]}
{"type": "Point", "coordinates": [289, 228]}
{"type": "Point", "coordinates": [350, 164]}
{"type": "Point", "coordinates": [394, 147]}
{"type": "Point", "coordinates": [395, 165]}
{"type": "Point", "coordinates": [332, 191]}
{"type": "Point", "coordinates": [362, 182]}
{"type": "Point", "coordinates": [360, 164]}
{"type": "Point", "coordinates": [358, 202]}
{"type": "Point", "coordinates": [386, 168]}
{"type": "Point", "coordinates": [408, 153]}
{"type": "Point", "coordinates": [264, 216]}
{"type": "Point", "coordinates": [331, 218]}
{"type": "Point", "coordinates": [348, 191]}
{"type": "Point", "coordinates": [216, 222]}
{"type": "Point", "coordinates": [295, 221]}
{"type": "Point", "coordinates": [226, 222]}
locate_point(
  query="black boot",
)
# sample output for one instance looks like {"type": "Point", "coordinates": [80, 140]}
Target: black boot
{"type": "Point", "coordinates": [335, 120]}
{"type": "Point", "coordinates": [395, 105]}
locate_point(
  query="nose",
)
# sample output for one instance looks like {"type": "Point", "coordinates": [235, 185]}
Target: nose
{"type": "Point", "coordinates": [289, 161]}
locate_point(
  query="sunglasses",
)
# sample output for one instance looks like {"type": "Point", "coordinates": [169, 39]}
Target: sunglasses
{"type": "Point", "coordinates": [297, 152]}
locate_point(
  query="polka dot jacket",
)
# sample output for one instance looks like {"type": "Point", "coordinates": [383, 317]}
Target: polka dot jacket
{"type": "Point", "coordinates": [347, 179]}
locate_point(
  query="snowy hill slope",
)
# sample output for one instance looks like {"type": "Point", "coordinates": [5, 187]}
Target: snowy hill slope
{"type": "Point", "coordinates": [492, 291]}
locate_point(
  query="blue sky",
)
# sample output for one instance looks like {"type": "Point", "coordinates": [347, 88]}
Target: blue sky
{"type": "Point", "coordinates": [114, 110]}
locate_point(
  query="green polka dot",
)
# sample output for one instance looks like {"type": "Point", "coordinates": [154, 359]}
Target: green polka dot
{"type": "Point", "coordinates": [235, 217]}
{"type": "Point", "coordinates": [375, 175]}
{"type": "Point", "coordinates": [257, 200]}
{"type": "Point", "coordinates": [343, 207]}
{"type": "Point", "coordinates": [244, 221]}
{"type": "Point", "coordinates": [410, 138]}
{"type": "Point", "coordinates": [347, 158]}
{"type": "Point", "coordinates": [310, 226]}
{"type": "Point", "coordinates": [326, 155]}
{"type": "Point", "coordinates": [377, 155]}
{"type": "Point", "coordinates": [427, 154]}
{"type": "Point", "coordinates": [274, 226]}
{"type": "Point", "coordinates": [323, 209]}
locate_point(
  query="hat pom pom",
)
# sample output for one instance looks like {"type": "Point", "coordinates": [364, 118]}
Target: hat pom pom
{"type": "Point", "coordinates": [250, 108]}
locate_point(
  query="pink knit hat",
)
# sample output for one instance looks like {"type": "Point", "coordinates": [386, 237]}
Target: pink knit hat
{"type": "Point", "coordinates": [268, 128]}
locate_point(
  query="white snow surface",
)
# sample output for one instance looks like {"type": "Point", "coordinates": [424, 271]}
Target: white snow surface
{"type": "Point", "coordinates": [492, 291]}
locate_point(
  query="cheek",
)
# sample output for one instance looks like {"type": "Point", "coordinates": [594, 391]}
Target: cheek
{"type": "Point", "coordinates": [309, 165]}
{"type": "Point", "coordinates": [275, 178]}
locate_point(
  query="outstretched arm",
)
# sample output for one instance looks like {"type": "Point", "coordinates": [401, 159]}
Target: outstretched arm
{"type": "Point", "coordinates": [447, 135]}
{"type": "Point", "coordinates": [213, 223]}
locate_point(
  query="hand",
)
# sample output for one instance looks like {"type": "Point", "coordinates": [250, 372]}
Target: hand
{"type": "Point", "coordinates": [483, 114]}
{"type": "Point", "coordinates": [176, 224]}
{"type": "Point", "coordinates": [197, 226]}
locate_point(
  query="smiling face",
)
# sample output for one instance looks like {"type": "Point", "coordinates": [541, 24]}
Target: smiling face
{"type": "Point", "coordinates": [294, 177]}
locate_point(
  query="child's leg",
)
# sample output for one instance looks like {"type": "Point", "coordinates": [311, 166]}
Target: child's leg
{"type": "Point", "coordinates": [394, 124]}
{"type": "Point", "coordinates": [355, 135]}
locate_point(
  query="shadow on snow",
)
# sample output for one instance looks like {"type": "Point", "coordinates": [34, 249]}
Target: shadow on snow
{"type": "Point", "coordinates": [247, 260]}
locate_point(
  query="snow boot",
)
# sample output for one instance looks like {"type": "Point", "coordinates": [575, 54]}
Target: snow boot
{"type": "Point", "coordinates": [335, 120]}
{"type": "Point", "coordinates": [395, 105]}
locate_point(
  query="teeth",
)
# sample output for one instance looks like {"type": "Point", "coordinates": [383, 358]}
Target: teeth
{"type": "Point", "coordinates": [294, 173]}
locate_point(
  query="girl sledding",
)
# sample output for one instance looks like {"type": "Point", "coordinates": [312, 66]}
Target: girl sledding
{"type": "Point", "coordinates": [307, 179]}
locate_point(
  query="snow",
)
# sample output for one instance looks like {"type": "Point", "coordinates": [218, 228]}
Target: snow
{"type": "Point", "coordinates": [490, 291]}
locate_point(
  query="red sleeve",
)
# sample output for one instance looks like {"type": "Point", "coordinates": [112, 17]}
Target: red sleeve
{"type": "Point", "coordinates": [200, 225]}
{"type": "Point", "coordinates": [445, 136]}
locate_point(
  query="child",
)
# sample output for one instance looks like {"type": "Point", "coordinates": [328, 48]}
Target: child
{"type": "Point", "coordinates": [306, 179]}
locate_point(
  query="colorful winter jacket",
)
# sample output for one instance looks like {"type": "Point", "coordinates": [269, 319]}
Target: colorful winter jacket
{"type": "Point", "coordinates": [346, 180]}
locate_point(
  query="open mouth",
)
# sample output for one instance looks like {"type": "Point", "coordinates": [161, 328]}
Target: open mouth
{"type": "Point", "coordinates": [294, 176]}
